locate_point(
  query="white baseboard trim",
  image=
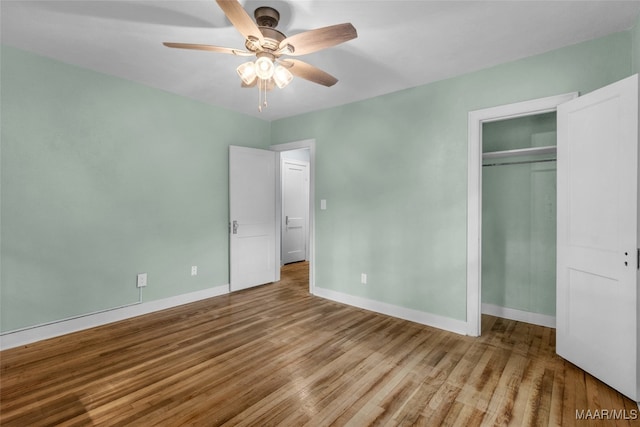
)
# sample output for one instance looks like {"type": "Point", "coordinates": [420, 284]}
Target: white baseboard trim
{"type": "Point", "coordinates": [428, 319]}
{"type": "Point", "coordinates": [519, 315]}
{"type": "Point", "coordinates": [63, 327]}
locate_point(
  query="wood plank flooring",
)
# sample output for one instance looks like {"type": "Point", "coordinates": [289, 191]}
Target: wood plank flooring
{"type": "Point", "coordinates": [276, 356]}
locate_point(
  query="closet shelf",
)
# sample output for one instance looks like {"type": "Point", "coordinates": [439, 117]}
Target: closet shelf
{"type": "Point", "coordinates": [519, 152]}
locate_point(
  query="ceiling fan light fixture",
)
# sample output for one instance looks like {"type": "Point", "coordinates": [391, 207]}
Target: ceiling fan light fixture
{"type": "Point", "coordinates": [282, 76]}
{"type": "Point", "coordinates": [264, 67]}
{"type": "Point", "coordinates": [247, 72]}
{"type": "Point", "coordinates": [263, 40]}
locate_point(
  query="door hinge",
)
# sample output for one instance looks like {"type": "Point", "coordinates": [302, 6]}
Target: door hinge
{"type": "Point", "coordinates": [638, 259]}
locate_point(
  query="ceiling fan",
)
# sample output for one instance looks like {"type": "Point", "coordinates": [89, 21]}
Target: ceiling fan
{"type": "Point", "coordinates": [268, 45]}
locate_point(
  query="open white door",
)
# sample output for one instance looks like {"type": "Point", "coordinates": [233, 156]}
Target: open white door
{"type": "Point", "coordinates": [597, 276]}
{"type": "Point", "coordinates": [252, 213]}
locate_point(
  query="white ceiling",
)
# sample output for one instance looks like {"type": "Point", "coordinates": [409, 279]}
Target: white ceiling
{"type": "Point", "coordinates": [400, 44]}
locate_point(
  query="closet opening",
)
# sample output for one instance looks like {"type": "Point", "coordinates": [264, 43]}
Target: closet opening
{"type": "Point", "coordinates": [518, 270]}
{"type": "Point", "coordinates": [509, 148]}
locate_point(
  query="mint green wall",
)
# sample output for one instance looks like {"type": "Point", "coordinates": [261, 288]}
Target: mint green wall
{"type": "Point", "coordinates": [103, 178]}
{"type": "Point", "coordinates": [393, 170]}
{"type": "Point", "coordinates": [519, 217]}
{"type": "Point", "coordinates": [635, 33]}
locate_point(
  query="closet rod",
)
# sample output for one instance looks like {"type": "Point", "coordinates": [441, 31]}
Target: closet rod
{"type": "Point", "coordinates": [551, 149]}
{"type": "Point", "coordinates": [519, 163]}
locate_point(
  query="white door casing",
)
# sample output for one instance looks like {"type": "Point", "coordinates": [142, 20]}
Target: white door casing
{"type": "Point", "coordinates": [295, 210]}
{"type": "Point", "coordinates": [254, 257]}
{"type": "Point", "coordinates": [597, 271]}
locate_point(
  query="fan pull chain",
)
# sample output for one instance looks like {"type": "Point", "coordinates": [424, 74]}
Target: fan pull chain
{"type": "Point", "coordinates": [262, 102]}
{"type": "Point", "coordinates": [265, 94]}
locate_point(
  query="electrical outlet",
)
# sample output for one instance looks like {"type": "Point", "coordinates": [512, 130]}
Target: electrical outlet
{"type": "Point", "coordinates": [194, 270]}
{"type": "Point", "coordinates": [363, 278]}
{"type": "Point", "coordinates": [142, 280]}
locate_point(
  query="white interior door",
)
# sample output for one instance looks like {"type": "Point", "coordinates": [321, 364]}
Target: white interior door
{"type": "Point", "coordinates": [252, 213]}
{"type": "Point", "coordinates": [295, 210]}
{"type": "Point", "coordinates": [597, 276]}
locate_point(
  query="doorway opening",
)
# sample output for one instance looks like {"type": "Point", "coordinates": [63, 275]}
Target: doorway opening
{"type": "Point", "coordinates": [476, 122]}
{"type": "Point", "coordinates": [519, 219]}
{"type": "Point", "coordinates": [294, 221]}
{"type": "Point", "coordinates": [295, 208]}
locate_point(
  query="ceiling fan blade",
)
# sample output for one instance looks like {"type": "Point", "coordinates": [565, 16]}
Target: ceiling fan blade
{"type": "Point", "coordinates": [210, 48]}
{"type": "Point", "coordinates": [309, 72]}
{"type": "Point", "coordinates": [318, 39]}
{"type": "Point", "coordinates": [240, 19]}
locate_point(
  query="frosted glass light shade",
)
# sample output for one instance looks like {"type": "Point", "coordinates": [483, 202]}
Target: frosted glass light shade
{"type": "Point", "coordinates": [247, 72]}
{"type": "Point", "coordinates": [282, 76]}
{"type": "Point", "coordinates": [264, 68]}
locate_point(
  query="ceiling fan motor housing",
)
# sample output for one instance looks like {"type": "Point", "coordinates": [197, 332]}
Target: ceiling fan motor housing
{"type": "Point", "coordinates": [267, 19]}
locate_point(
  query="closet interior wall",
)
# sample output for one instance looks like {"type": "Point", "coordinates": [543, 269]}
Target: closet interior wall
{"type": "Point", "coordinates": [519, 214]}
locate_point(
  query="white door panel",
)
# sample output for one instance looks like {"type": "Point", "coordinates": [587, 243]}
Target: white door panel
{"type": "Point", "coordinates": [252, 210]}
{"type": "Point", "coordinates": [589, 190]}
{"type": "Point", "coordinates": [596, 313]}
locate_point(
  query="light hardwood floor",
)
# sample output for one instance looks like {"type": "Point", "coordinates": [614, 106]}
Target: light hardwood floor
{"type": "Point", "coordinates": [274, 355]}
